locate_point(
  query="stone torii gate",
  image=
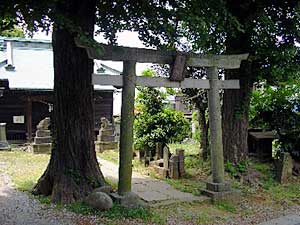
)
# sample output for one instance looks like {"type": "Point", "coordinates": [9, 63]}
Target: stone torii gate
{"type": "Point", "coordinates": [178, 61]}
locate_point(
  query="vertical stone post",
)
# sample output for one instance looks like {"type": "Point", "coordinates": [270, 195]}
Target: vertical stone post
{"type": "Point", "coordinates": [126, 131]}
{"type": "Point", "coordinates": [3, 140]}
{"type": "Point", "coordinates": [215, 123]}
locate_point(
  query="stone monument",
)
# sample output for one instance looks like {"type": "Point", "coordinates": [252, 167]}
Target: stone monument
{"type": "Point", "coordinates": [43, 140]}
{"type": "Point", "coordinates": [106, 137]}
{"type": "Point", "coordinates": [3, 142]}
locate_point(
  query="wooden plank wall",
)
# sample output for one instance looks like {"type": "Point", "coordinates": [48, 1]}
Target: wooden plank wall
{"type": "Point", "coordinates": [14, 103]}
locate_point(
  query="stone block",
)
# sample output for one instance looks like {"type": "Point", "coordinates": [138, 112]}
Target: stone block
{"type": "Point", "coordinates": [218, 187]}
{"type": "Point", "coordinates": [42, 140]}
{"type": "Point", "coordinates": [107, 138]}
{"type": "Point", "coordinates": [166, 155]}
{"type": "Point", "coordinates": [103, 146]}
{"type": "Point", "coordinates": [233, 195]}
{"type": "Point", "coordinates": [4, 145]}
{"type": "Point", "coordinates": [106, 132]}
{"type": "Point", "coordinates": [42, 148]}
{"type": "Point", "coordinates": [173, 167]}
{"type": "Point", "coordinates": [43, 133]}
{"type": "Point", "coordinates": [284, 168]}
{"type": "Point", "coordinates": [180, 153]}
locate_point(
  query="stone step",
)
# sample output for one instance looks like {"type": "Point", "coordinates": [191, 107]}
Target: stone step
{"type": "Point", "coordinates": [42, 148]}
{"type": "Point", "coordinates": [43, 133]}
{"type": "Point", "coordinates": [106, 132]}
{"type": "Point", "coordinates": [106, 138]}
{"type": "Point", "coordinates": [42, 140]}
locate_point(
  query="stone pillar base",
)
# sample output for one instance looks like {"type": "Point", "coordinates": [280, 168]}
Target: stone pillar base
{"type": "Point", "coordinates": [4, 145]}
{"type": "Point", "coordinates": [42, 148]}
{"type": "Point", "coordinates": [221, 192]}
{"type": "Point", "coordinates": [103, 146]}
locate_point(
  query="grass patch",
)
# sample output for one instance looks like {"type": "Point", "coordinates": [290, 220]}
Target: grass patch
{"type": "Point", "coordinates": [111, 155]}
{"type": "Point", "coordinates": [24, 163]}
{"type": "Point", "coordinates": [117, 212]}
{"type": "Point", "coordinates": [186, 185]}
{"type": "Point", "coordinates": [189, 149]}
{"type": "Point", "coordinates": [226, 206]}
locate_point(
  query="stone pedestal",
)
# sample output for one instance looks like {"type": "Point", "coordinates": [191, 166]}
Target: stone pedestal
{"type": "Point", "coordinates": [106, 137]}
{"type": "Point", "coordinates": [42, 141]}
{"type": "Point", "coordinates": [221, 192]}
{"type": "Point", "coordinates": [3, 142]}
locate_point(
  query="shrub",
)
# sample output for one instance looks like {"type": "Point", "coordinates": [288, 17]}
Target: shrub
{"type": "Point", "coordinates": [154, 122]}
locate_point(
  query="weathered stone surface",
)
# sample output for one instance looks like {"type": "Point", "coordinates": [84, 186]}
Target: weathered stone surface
{"type": "Point", "coordinates": [181, 170]}
{"type": "Point", "coordinates": [107, 138]}
{"type": "Point", "coordinates": [166, 153]}
{"type": "Point", "coordinates": [103, 146]}
{"type": "Point", "coordinates": [284, 168]}
{"type": "Point", "coordinates": [44, 124]}
{"type": "Point", "coordinates": [43, 133]}
{"type": "Point", "coordinates": [42, 140]}
{"type": "Point", "coordinates": [218, 187]}
{"type": "Point", "coordinates": [3, 142]}
{"type": "Point", "coordinates": [173, 167]}
{"type": "Point", "coordinates": [232, 195]}
{"type": "Point", "coordinates": [129, 200]}
{"type": "Point", "coordinates": [106, 189]}
{"type": "Point", "coordinates": [42, 148]}
{"type": "Point", "coordinates": [99, 200]}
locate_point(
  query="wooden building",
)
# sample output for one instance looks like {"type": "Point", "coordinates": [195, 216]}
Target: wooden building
{"type": "Point", "coordinates": [26, 87]}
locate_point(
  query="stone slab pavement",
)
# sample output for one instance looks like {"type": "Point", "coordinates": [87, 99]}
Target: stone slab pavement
{"type": "Point", "coordinates": [284, 220]}
{"type": "Point", "coordinates": [153, 191]}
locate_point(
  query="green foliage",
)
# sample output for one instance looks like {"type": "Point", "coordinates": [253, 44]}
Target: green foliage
{"type": "Point", "coordinates": [278, 108]}
{"type": "Point", "coordinates": [12, 32]}
{"type": "Point", "coordinates": [156, 123]}
{"type": "Point", "coordinates": [235, 170]}
{"type": "Point", "coordinates": [116, 212]}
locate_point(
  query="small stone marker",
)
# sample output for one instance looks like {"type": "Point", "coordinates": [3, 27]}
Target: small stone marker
{"type": "Point", "coordinates": [180, 153]}
{"type": "Point", "coordinates": [173, 171]}
{"type": "Point", "coordinates": [166, 153]}
{"type": "Point", "coordinates": [3, 142]}
{"type": "Point", "coordinates": [106, 137]}
{"type": "Point", "coordinates": [284, 168]}
{"type": "Point", "coordinates": [43, 139]}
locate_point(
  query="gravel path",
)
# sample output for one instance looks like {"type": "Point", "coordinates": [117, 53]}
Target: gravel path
{"type": "Point", "coordinates": [19, 208]}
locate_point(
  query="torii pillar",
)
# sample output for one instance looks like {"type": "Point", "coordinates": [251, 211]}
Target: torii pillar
{"type": "Point", "coordinates": [217, 188]}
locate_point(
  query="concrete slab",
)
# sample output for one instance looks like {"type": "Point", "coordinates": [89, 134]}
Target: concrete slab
{"type": "Point", "coordinates": [152, 191]}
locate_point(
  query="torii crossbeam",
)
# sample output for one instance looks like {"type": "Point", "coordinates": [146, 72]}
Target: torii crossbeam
{"type": "Point", "coordinates": [129, 80]}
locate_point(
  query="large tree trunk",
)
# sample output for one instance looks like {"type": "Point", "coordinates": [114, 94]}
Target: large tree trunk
{"type": "Point", "coordinates": [235, 116]}
{"type": "Point", "coordinates": [236, 102]}
{"type": "Point", "coordinates": [73, 170]}
{"type": "Point", "coordinates": [203, 126]}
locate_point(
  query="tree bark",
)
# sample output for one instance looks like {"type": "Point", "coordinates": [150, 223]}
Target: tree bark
{"type": "Point", "coordinates": [73, 170]}
{"type": "Point", "coordinates": [203, 126]}
{"type": "Point", "coordinates": [235, 116]}
{"type": "Point", "coordinates": [236, 102]}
